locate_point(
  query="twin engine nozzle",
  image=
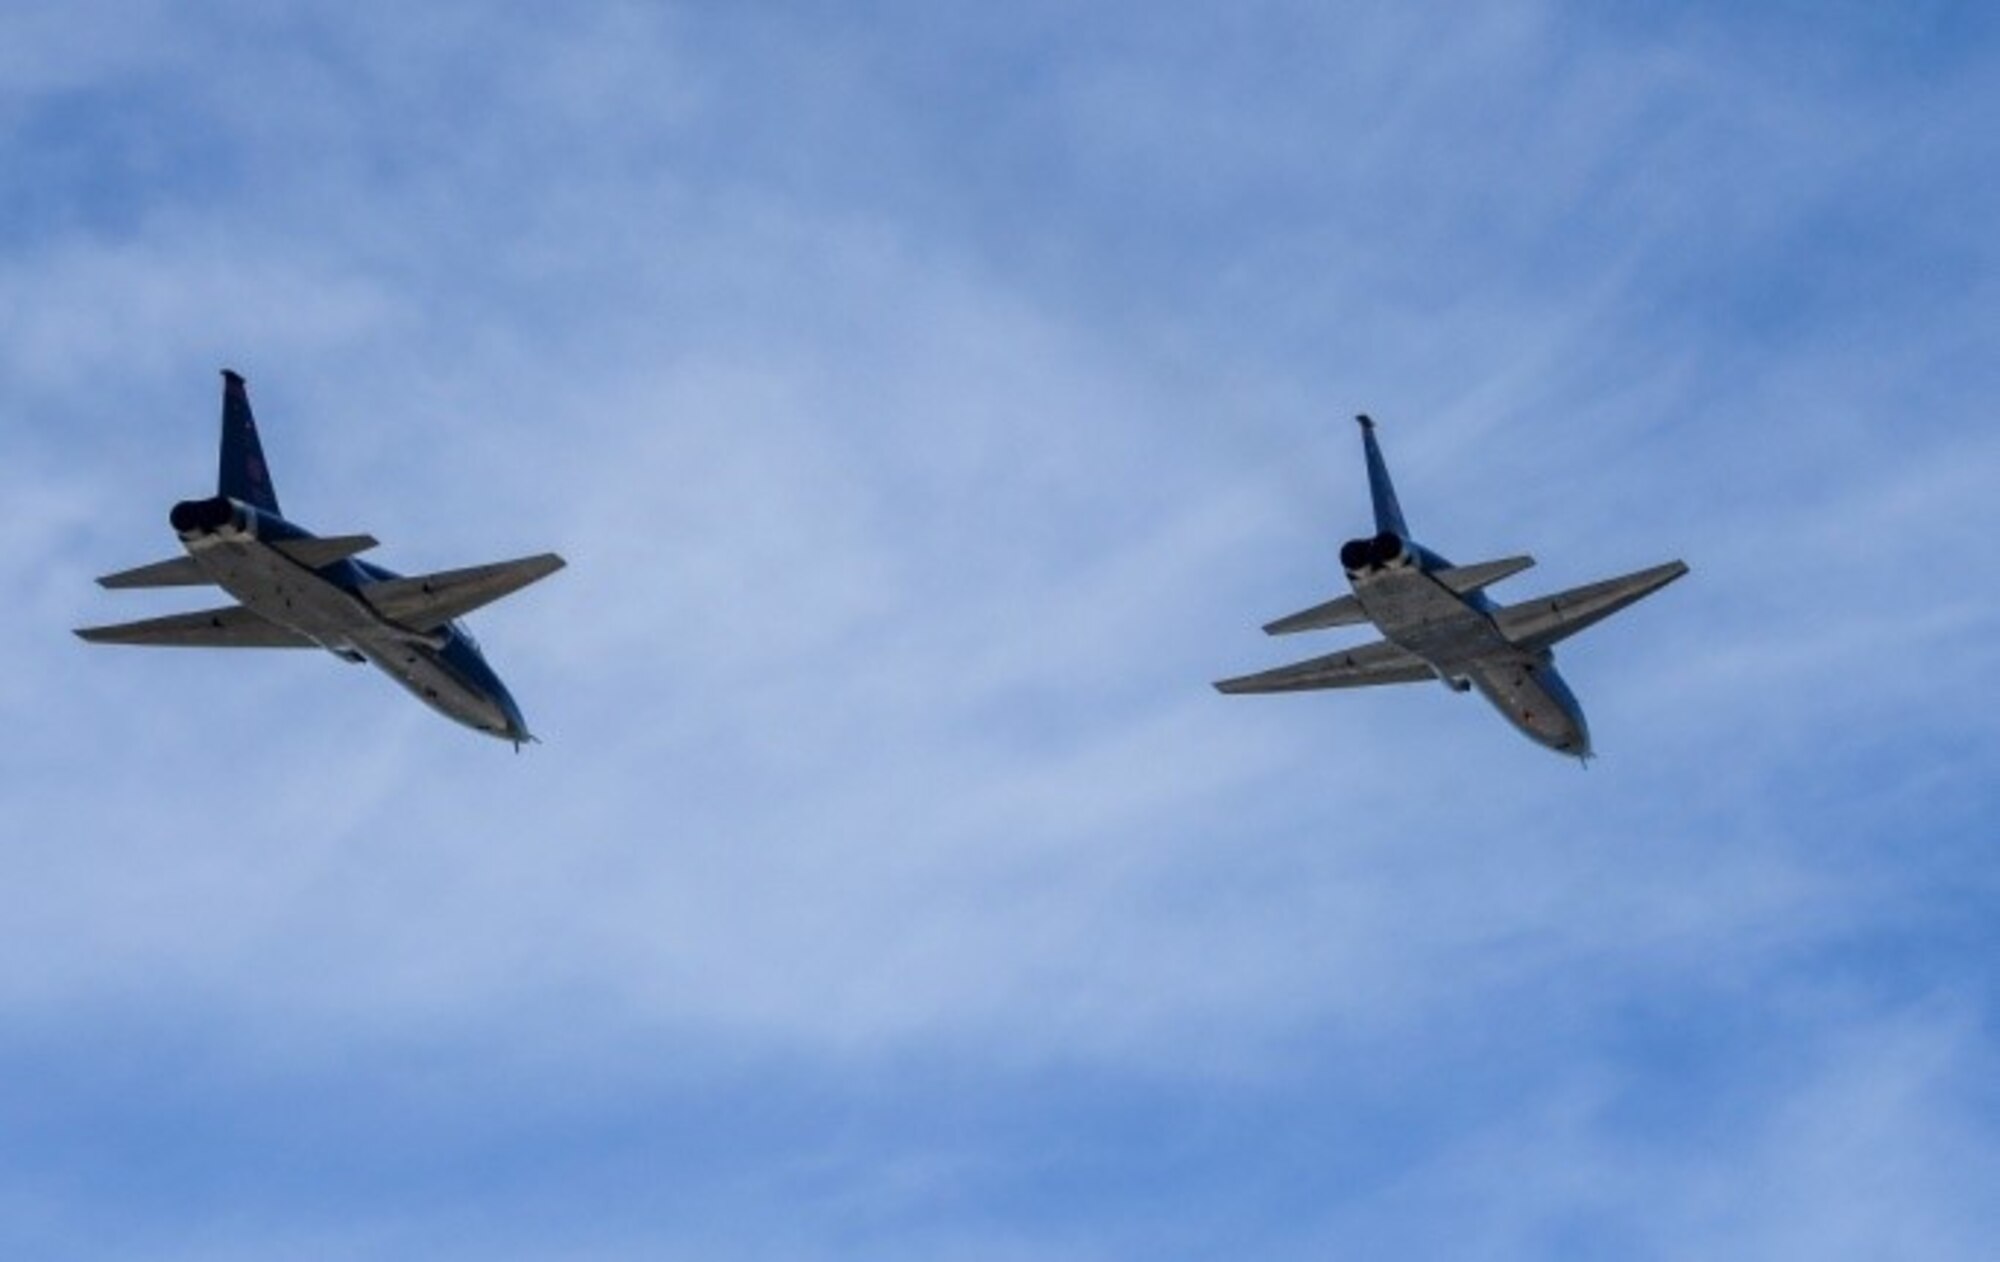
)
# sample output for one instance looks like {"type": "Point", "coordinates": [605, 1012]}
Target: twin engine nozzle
{"type": "Point", "coordinates": [1382, 552]}
{"type": "Point", "coordinates": [210, 516]}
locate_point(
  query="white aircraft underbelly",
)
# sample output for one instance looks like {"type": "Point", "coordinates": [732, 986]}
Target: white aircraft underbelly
{"type": "Point", "coordinates": [279, 588]}
{"type": "Point", "coordinates": [1534, 699]}
{"type": "Point", "coordinates": [1414, 610]}
{"type": "Point", "coordinates": [432, 681]}
{"type": "Point", "coordinates": [291, 595]}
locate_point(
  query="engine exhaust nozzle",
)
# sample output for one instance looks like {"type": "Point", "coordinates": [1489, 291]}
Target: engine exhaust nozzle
{"type": "Point", "coordinates": [203, 517]}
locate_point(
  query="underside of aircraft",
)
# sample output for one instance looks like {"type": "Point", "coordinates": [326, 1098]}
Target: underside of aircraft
{"type": "Point", "coordinates": [1437, 623]}
{"type": "Point", "coordinates": [295, 589]}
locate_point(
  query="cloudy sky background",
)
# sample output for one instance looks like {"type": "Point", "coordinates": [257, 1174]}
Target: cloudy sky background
{"type": "Point", "coordinates": [930, 399]}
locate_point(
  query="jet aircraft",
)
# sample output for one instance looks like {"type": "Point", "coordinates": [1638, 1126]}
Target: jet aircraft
{"type": "Point", "coordinates": [1438, 623]}
{"type": "Point", "coordinates": [301, 590]}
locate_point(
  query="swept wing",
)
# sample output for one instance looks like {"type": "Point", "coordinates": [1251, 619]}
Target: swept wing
{"type": "Point", "coordinates": [319, 551]}
{"type": "Point", "coordinates": [1545, 620]}
{"type": "Point", "coordinates": [180, 571]}
{"type": "Point", "coordinates": [428, 601]}
{"type": "Point", "coordinates": [231, 627]}
{"type": "Point", "coordinates": [1361, 667]}
{"type": "Point", "coordinates": [1470, 578]}
{"type": "Point", "coordinates": [1341, 611]}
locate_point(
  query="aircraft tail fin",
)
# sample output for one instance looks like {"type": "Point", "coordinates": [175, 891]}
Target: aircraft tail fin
{"type": "Point", "coordinates": [242, 474]}
{"type": "Point", "coordinates": [1388, 513]}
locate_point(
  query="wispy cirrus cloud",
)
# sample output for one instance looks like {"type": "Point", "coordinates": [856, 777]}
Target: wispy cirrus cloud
{"type": "Point", "coordinates": [930, 401]}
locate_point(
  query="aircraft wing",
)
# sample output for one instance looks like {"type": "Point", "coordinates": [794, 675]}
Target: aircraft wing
{"type": "Point", "coordinates": [1470, 578]}
{"type": "Point", "coordinates": [1346, 611]}
{"type": "Point", "coordinates": [1369, 664]}
{"type": "Point", "coordinates": [428, 601]}
{"type": "Point", "coordinates": [319, 551]}
{"type": "Point", "coordinates": [1538, 623]}
{"type": "Point", "coordinates": [178, 571]}
{"type": "Point", "coordinates": [1341, 611]}
{"type": "Point", "coordinates": [231, 627]}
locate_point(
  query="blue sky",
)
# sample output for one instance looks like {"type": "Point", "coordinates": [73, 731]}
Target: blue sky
{"type": "Point", "coordinates": [931, 399]}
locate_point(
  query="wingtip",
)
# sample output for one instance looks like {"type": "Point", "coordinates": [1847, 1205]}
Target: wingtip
{"type": "Point", "coordinates": [1364, 420]}
{"type": "Point", "coordinates": [231, 377]}
{"type": "Point", "coordinates": [547, 563]}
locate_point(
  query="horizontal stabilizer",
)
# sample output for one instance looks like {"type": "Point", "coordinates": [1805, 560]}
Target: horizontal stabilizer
{"type": "Point", "coordinates": [1470, 578]}
{"type": "Point", "coordinates": [1341, 611]}
{"type": "Point", "coordinates": [316, 553]}
{"type": "Point", "coordinates": [1369, 664]}
{"type": "Point", "coordinates": [172, 572]}
{"type": "Point", "coordinates": [232, 627]}
{"type": "Point", "coordinates": [428, 601]}
{"type": "Point", "coordinates": [1538, 623]}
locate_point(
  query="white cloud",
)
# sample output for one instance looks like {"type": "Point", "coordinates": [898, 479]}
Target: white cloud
{"type": "Point", "coordinates": [908, 518]}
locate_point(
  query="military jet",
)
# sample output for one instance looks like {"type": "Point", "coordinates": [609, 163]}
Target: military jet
{"type": "Point", "coordinates": [1439, 624]}
{"type": "Point", "coordinates": [301, 590]}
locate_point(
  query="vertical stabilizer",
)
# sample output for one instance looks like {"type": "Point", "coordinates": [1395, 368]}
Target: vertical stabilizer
{"type": "Point", "coordinates": [243, 474]}
{"type": "Point", "coordinates": [1388, 513]}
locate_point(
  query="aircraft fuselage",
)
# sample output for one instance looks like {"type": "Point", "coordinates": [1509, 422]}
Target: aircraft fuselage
{"type": "Point", "coordinates": [442, 668]}
{"type": "Point", "coordinates": [1455, 634]}
{"type": "Point", "coordinates": [1437, 623]}
{"type": "Point", "coordinates": [295, 589]}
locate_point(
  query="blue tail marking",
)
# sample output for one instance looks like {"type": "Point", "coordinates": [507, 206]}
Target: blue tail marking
{"type": "Point", "coordinates": [243, 475]}
{"type": "Point", "coordinates": [1388, 513]}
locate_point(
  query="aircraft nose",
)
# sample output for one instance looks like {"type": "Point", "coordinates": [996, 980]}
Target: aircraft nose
{"type": "Point", "coordinates": [512, 726]}
{"type": "Point", "coordinates": [1573, 739]}
{"type": "Point", "coordinates": [1562, 731]}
